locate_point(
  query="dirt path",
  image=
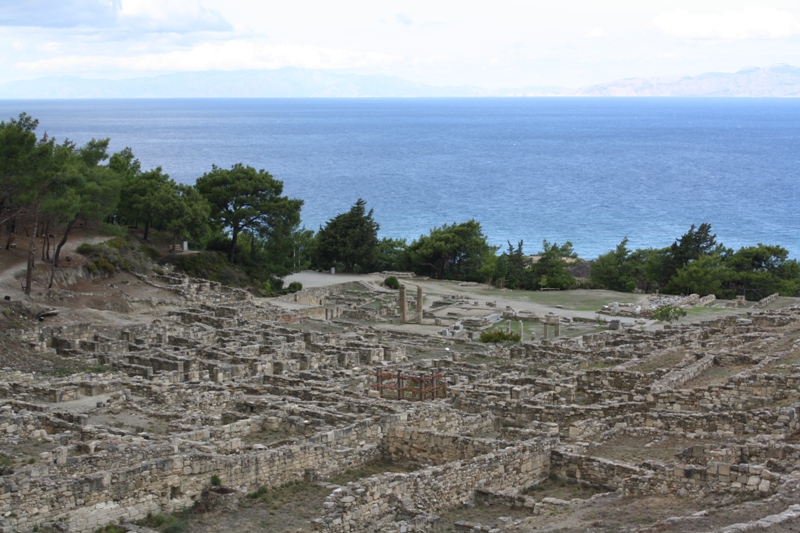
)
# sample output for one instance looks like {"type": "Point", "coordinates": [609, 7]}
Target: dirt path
{"type": "Point", "coordinates": [14, 262]}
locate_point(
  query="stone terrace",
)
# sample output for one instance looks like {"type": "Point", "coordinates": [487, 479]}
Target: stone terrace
{"type": "Point", "coordinates": [255, 396]}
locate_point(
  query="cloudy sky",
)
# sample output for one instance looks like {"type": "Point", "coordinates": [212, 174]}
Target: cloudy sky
{"type": "Point", "coordinates": [491, 44]}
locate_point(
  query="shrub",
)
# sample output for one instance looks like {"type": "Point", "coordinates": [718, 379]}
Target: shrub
{"type": "Point", "coordinates": [392, 282]}
{"type": "Point", "coordinates": [116, 253]}
{"type": "Point", "coordinates": [498, 335]}
{"type": "Point", "coordinates": [212, 266]}
{"type": "Point", "coordinates": [150, 252]}
{"type": "Point", "coordinates": [295, 286]}
{"type": "Point", "coordinates": [85, 249]}
{"type": "Point", "coordinates": [667, 313]}
{"type": "Point", "coordinates": [215, 481]}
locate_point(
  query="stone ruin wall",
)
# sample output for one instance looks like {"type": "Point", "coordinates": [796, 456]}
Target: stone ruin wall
{"type": "Point", "coordinates": [245, 376]}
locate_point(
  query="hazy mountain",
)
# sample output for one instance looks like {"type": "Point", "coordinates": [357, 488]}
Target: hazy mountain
{"type": "Point", "coordinates": [287, 82]}
{"type": "Point", "coordinates": [779, 80]}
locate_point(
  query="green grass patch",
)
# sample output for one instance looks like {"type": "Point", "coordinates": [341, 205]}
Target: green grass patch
{"type": "Point", "coordinates": [111, 528]}
{"type": "Point", "coordinates": [173, 523]}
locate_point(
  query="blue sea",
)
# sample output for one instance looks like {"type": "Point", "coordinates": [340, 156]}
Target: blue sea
{"type": "Point", "coordinates": [586, 170]}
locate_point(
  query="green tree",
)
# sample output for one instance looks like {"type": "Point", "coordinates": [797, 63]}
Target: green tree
{"type": "Point", "coordinates": [391, 254]}
{"type": "Point", "coordinates": [705, 275]}
{"type": "Point", "coordinates": [456, 251]}
{"type": "Point", "coordinates": [149, 197]}
{"type": "Point", "coordinates": [758, 271]}
{"type": "Point", "coordinates": [190, 216]}
{"type": "Point", "coordinates": [689, 247]}
{"type": "Point", "coordinates": [551, 270]}
{"type": "Point", "coordinates": [30, 170]}
{"type": "Point", "coordinates": [86, 190]}
{"type": "Point", "coordinates": [667, 313]}
{"type": "Point", "coordinates": [349, 239]}
{"type": "Point", "coordinates": [610, 270]}
{"type": "Point", "coordinates": [243, 198]}
{"type": "Point", "coordinates": [18, 154]}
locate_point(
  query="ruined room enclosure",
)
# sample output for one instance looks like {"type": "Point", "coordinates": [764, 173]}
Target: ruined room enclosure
{"type": "Point", "coordinates": [228, 413]}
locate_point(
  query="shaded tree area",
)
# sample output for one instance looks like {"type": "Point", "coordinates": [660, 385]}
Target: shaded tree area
{"type": "Point", "coordinates": [250, 231]}
{"type": "Point", "coordinates": [349, 241]}
{"type": "Point", "coordinates": [697, 263]}
{"type": "Point", "coordinates": [245, 199]}
{"type": "Point", "coordinates": [453, 251]}
{"type": "Point", "coordinates": [548, 269]}
{"type": "Point", "coordinates": [46, 188]}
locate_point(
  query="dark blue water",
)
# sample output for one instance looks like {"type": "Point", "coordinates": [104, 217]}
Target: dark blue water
{"type": "Point", "coordinates": [587, 170]}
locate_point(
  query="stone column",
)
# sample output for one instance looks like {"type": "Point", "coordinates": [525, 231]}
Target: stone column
{"type": "Point", "coordinates": [545, 323]}
{"type": "Point", "coordinates": [419, 304]}
{"type": "Point", "coordinates": [558, 327]}
{"type": "Point", "coordinates": [521, 333]}
{"type": "Point", "coordinates": [402, 302]}
{"type": "Point", "coordinates": [508, 327]}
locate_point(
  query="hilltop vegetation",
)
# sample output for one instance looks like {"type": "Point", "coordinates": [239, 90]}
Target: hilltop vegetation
{"type": "Point", "coordinates": [250, 234]}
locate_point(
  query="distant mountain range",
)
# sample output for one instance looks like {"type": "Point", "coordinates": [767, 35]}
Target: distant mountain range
{"type": "Point", "coordinates": [779, 80]}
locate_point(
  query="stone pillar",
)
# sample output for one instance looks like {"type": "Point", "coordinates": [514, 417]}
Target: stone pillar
{"type": "Point", "coordinates": [402, 302]}
{"type": "Point", "coordinates": [558, 327]}
{"type": "Point", "coordinates": [521, 333]}
{"type": "Point", "coordinates": [508, 327]}
{"type": "Point", "coordinates": [420, 303]}
{"type": "Point", "coordinates": [545, 323]}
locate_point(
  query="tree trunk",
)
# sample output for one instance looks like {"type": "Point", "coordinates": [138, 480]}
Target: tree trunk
{"type": "Point", "coordinates": [32, 252]}
{"type": "Point", "coordinates": [46, 239]}
{"type": "Point", "coordinates": [11, 227]}
{"type": "Point", "coordinates": [60, 244]}
{"type": "Point", "coordinates": [232, 249]}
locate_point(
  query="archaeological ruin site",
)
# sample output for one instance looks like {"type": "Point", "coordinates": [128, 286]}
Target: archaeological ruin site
{"type": "Point", "coordinates": [350, 407]}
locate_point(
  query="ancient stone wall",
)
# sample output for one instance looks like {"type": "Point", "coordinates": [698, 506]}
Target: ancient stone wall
{"type": "Point", "coordinates": [365, 505]}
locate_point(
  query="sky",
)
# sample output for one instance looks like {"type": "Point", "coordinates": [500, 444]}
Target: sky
{"type": "Point", "coordinates": [490, 44]}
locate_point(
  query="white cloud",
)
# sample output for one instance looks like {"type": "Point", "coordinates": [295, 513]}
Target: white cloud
{"type": "Point", "coordinates": [88, 15]}
{"type": "Point", "coordinates": [230, 55]}
{"type": "Point", "coordinates": [402, 18]}
{"type": "Point", "coordinates": [171, 15]}
{"type": "Point", "coordinates": [596, 32]}
{"type": "Point", "coordinates": [751, 22]}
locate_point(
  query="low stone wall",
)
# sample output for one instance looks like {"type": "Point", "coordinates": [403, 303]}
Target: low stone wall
{"type": "Point", "coordinates": [430, 447]}
{"type": "Point", "coordinates": [784, 421]}
{"type": "Point", "coordinates": [377, 501]}
{"type": "Point", "coordinates": [656, 478]}
{"type": "Point", "coordinates": [173, 480]}
{"type": "Point", "coordinates": [768, 300]}
{"type": "Point", "coordinates": [676, 378]}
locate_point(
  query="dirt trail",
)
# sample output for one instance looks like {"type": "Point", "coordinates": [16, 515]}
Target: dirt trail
{"type": "Point", "coordinates": [13, 262]}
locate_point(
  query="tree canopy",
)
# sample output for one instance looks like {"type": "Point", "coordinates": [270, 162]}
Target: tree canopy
{"type": "Point", "coordinates": [349, 239]}
{"type": "Point", "coordinates": [455, 251]}
{"type": "Point", "coordinates": [243, 198]}
{"type": "Point", "coordinates": [697, 263]}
